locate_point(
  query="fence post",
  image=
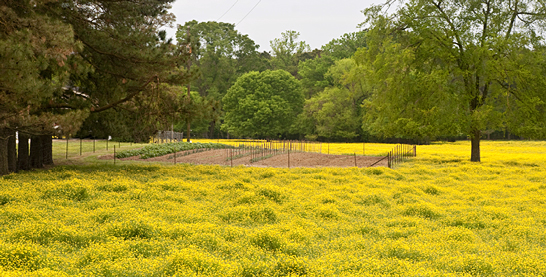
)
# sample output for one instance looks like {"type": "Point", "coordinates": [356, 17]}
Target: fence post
{"type": "Point", "coordinates": [288, 154]}
{"type": "Point", "coordinates": [80, 146]}
{"type": "Point", "coordinates": [415, 150]}
{"type": "Point", "coordinates": [355, 159]}
{"type": "Point", "coordinates": [67, 147]}
{"type": "Point", "coordinates": [114, 154]}
{"type": "Point", "coordinates": [93, 145]}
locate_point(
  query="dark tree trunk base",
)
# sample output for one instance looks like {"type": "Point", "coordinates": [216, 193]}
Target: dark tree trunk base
{"type": "Point", "coordinates": [47, 144]}
{"type": "Point", "coordinates": [4, 168]}
{"type": "Point", "coordinates": [23, 159]}
{"type": "Point", "coordinates": [475, 155]}
{"type": "Point", "coordinates": [36, 152]}
{"type": "Point", "coordinates": [12, 152]}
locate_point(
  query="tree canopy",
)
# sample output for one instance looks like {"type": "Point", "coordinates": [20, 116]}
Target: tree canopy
{"type": "Point", "coordinates": [455, 67]}
{"type": "Point", "coordinates": [62, 60]}
{"type": "Point", "coordinates": [220, 54]}
{"type": "Point", "coordinates": [335, 113]}
{"type": "Point", "coordinates": [287, 50]}
{"type": "Point", "coordinates": [262, 104]}
{"type": "Point", "coordinates": [313, 71]}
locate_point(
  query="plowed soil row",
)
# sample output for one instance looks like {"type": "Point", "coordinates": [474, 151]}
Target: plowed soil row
{"type": "Point", "coordinates": [297, 159]}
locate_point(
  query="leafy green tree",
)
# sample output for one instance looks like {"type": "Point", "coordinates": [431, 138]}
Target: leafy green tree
{"type": "Point", "coordinates": [313, 71]}
{"type": "Point", "coordinates": [220, 54]}
{"type": "Point", "coordinates": [313, 74]}
{"type": "Point", "coordinates": [200, 111]}
{"type": "Point", "coordinates": [332, 116]}
{"type": "Point", "coordinates": [262, 104]}
{"type": "Point", "coordinates": [440, 67]}
{"type": "Point", "coordinates": [335, 112]}
{"type": "Point", "coordinates": [345, 46]}
{"type": "Point", "coordinates": [287, 51]}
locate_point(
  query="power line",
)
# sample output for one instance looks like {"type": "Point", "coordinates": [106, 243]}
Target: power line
{"type": "Point", "coordinates": [228, 10]}
{"type": "Point", "coordinates": [248, 13]}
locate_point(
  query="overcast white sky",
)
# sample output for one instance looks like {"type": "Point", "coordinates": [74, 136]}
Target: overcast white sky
{"type": "Point", "coordinates": [317, 21]}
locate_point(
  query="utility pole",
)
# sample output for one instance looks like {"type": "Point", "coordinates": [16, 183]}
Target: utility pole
{"type": "Point", "coordinates": [189, 82]}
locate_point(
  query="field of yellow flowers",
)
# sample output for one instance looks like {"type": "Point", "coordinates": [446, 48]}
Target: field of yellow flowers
{"type": "Point", "coordinates": [435, 215]}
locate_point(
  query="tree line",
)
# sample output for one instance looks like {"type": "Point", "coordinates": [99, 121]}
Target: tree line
{"type": "Point", "coordinates": [420, 70]}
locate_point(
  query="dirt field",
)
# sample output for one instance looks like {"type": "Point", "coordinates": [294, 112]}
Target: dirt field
{"type": "Point", "coordinates": [297, 159]}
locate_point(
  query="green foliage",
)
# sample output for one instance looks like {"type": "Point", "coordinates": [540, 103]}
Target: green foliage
{"type": "Point", "coordinates": [262, 104]}
{"type": "Point", "coordinates": [156, 150]}
{"type": "Point", "coordinates": [345, 46]}
{"type": "Point", "coordinates": [442, 68]}
{"type": "Point", "coordinates": [335, 113]}
{"type": "Point", "coordinates": [287, 51]}
{"type": "Point", "coordinates": [220, 53]}
{"type": "Point", "coordinates": [313, 72]}
{"type": "Point", "coordinates": [34, 52]}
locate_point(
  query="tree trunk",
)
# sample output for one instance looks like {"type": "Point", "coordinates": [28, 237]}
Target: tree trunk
{"type": "Point", "coordinates": [4, 168]}
{"type": "Point", "coordinates": [475, 152]}
{"type": "Point", "coordinates": [188, 131]}
{"type": "Point", "coordinates": [36, 152]}
{"type": "Point", "coordinates": [12, 152]}
{"type": "Point", "coordinates": [47, 144]}
{"type": "Point", "coordinates": [23, 162]}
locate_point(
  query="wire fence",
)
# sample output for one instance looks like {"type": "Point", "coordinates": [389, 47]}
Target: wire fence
{"type": "Point", "coordinates": [401, 153]}
{"type": "Point", "coordinates": [168, 136]}
{"type": "Point", "coordinates": [286, 153]}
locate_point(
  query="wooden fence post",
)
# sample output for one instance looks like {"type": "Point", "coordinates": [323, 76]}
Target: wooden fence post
{"type": "Point", "coordinates": [289, 155]}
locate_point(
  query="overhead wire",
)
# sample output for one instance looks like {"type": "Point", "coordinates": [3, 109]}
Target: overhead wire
{"type": "Point", "coordinates": [248, 13]}
{"type": "Point", "coordinates": [228, 10]}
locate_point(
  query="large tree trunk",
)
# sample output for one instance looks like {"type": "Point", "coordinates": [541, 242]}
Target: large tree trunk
{"type": "Point", "coordinates": [475, 152]}
{"type": "Point", "coordinates": [36, 152]}
{"type": "Point", "coordinates": [23, 162]}
{"type": "Point", "coordinates": [47, 144]}
{"type": "Point", "coordinates": [4, 168]}
{"type": "Point", "coordinates": [211, 128]}
{"type": "Point", "coordinates": [12, 152]}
